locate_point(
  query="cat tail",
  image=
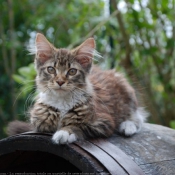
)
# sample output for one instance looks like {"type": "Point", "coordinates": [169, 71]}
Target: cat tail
{"type": "Point", "coordinates": [18, 127]}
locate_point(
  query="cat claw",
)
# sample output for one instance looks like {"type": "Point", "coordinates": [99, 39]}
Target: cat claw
{"type": "Point", "coordinates": [63, 137]}
{"type": "Point", "coordinates": [127, 128]}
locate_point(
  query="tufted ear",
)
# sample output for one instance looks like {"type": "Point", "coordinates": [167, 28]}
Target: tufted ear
{"type": "Point", "coordinates": [84, 53]}
{"type": "Point", "coordinates": [43, 48]}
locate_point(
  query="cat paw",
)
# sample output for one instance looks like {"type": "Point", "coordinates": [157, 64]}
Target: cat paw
{"type": "Point", "coordinates": [63, 137]}
{"type": "Point", "coordinates": [127, 128]}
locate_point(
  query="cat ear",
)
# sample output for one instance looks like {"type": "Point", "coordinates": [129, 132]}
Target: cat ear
{"type": "Point", "coordinates": [85, 53]}
{"type": "Point", "coordinates": [43, 48]}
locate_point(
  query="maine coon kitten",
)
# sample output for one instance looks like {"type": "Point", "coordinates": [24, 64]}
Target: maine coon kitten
{"type": "Point", "coordinates": [77, 100]}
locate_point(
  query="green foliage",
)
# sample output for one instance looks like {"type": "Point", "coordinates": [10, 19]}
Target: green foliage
{"type": "Point", "coordinates": [25, 77]}
{"type": "Point", "coordinates": [172, 124]}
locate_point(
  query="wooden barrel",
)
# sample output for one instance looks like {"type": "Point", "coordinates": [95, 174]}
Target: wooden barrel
{"type": "Point", "coordinates": [150, 152]}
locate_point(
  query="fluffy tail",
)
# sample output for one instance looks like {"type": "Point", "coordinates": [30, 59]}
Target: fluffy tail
{"type": "Point", "coordinates": [18, 127]}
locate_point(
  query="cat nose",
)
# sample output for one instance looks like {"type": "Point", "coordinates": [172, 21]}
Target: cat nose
{"type": "Point", "coordinates": [60, 82]}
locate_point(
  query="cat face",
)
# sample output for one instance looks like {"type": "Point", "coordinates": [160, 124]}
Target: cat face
{"type": "Point", "coordinates": [61, 73]}
{"type": "Point", "coordinates": [62, 70]}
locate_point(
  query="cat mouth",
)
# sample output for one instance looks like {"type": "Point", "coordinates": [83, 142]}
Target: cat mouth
{"type": "Point", "coordinates": [59, 89]}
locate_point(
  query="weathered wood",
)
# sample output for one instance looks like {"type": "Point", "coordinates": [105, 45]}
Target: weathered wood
{"type": "Point", "coordinates": [153, 149]}
{"type": "Point", "coordinates": [150, 152]}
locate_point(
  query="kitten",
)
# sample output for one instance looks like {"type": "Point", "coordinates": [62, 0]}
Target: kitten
{"type": "Point", "coordinates": [76, 100]}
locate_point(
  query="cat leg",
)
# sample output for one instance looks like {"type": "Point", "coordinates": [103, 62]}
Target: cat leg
{"type": "Point", "coordinates": [69, 130]}
{"type": "Point", "coordinates": [70, 133]}
{"type": "Point", "coordinates": [92, 129]}
{"type": "Point", "coordinates": [134, 123]}
{"type": "Point", "coordinates": [44, 118]}
{"type": "Point", "coordinates": [78, 127]}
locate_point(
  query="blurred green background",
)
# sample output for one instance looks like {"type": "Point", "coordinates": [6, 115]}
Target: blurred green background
{"type": "Point", "coordinates": [136, 37]}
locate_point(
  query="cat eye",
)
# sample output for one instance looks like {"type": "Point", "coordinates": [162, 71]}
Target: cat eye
{"type": "Point", "coordinates": [51, 70]}
{"type": "Point", "coordinates": [72, 71]}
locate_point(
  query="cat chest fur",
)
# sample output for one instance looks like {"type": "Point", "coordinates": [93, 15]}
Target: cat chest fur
{"type": "Point", "coordinates": [62, 101]}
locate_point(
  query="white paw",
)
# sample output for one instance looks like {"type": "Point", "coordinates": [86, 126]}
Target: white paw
{"type": "Point", "coordinates": [63, 137]}
{"type": "Point", "coordinates": [127, 128]}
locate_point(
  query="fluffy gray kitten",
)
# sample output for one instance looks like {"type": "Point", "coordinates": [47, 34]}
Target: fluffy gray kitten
{"type": "Point", "coordinates": [77, 100]}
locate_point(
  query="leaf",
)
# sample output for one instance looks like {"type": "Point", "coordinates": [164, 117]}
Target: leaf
{"type": "Point", "coordinates": [170, 43]}
{"type": "Point", "coordinates": [172, 124]}
{"type": "Point", "coordinates": [19, 79]}
{"type": "Point", "coordinates": [24, 71]}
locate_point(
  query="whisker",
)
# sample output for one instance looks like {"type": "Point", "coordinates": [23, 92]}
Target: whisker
{"type": "Point", "coordinates": [26, 82]}
{"type": "Point", "coordinates": [25, 89]}
{"type": "Point", "coordinates": [27, 101]}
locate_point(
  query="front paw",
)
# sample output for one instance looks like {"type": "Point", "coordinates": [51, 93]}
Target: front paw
{"type": "Point", "coordinates": [63, 137]}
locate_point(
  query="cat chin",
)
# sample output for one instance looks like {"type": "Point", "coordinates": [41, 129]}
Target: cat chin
{"type": "Point", "coordinates": [57, 91]}
{"type": "Point", "coordinates": [63, 93]}
{"type": "Point", "coordinates": [60, 90]}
